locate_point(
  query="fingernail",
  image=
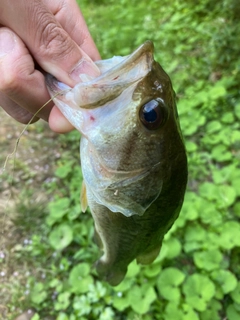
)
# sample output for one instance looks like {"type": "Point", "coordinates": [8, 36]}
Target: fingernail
{"type": "Point", "coordinates": [84, 67]}
{"type": "Point", "coordinates": [7, 42]}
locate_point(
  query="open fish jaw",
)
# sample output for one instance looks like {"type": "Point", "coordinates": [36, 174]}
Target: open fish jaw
{"type": "Point", "coordinates": [117, 74]}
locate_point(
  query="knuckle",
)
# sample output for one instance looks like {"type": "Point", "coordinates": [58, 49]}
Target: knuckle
{"type": "Point", "coordinates": [10, 82]}
{"type": "Point", "coordinates": [50, 39]}
{"type": "Point", "coordinates": [53, 42]}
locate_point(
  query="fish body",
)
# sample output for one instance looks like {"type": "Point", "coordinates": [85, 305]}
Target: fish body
{"type": "Point", "coordinates": [132, 155]}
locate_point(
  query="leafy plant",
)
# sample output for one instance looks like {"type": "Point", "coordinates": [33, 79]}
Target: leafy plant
{"type": "Point", "coordinates": [197, 274]}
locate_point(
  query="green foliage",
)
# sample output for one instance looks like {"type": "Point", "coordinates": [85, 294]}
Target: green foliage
{"type": "Point", "coordinates": [168, 284]}
{"type": "Point", "coordinates": [199, 290]}
{"type": "Point", "coordinates": [61, 236]}
{"type": "Point", "coordinates": [196, 276]}
{"type": "Point", "coordinates": [38, 293]}
{"type": "Point", "coordinates": [80, 279]}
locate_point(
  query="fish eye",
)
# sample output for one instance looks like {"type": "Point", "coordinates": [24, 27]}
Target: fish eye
{"type": "Point", "coordinates": [153, 114]}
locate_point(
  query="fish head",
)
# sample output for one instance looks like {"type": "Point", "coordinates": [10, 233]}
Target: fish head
{"type": "Point", "coordinates": [130, 131]}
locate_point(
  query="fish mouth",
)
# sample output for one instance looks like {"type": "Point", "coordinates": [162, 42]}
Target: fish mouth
{"type": "Point", "coordinates": [113, 73]}
{"type": "Point", "coordinates": [116, 75]}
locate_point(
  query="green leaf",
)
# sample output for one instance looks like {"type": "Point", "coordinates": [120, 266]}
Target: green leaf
{"type": "Point", "coordinates": [189, 210]}
{"type": "Point", "coordinates": [229, 234]}
{"type": "Point", "coordinates": [225, 279]}
{"type": "Point", "coordinates": [163, 253]}
{"type": "Point", "coordinates": [195, 236]}
{"type": "Point", "coordinates": [133, 269]}
{"type": "Point", "coordinates": [223, 175]}
{"type": "Point", "coordinates": [63, 170]}
{"type": "Point", "coordinates": [35, 317]}
{"type": "Point", "coordinates": [57, 209]}
{"type": "Point", "coordinates": [120, 302]}
{"type": "Point", "coordinates": [174, 247]}
{"type": "Point", "coordinates": [80, 279]}
{"type": "Point", "coordinates": [168, 283]}
{"type": "Point", "coordinates": [107, 314]}
{"type": "Point", "coordinates": [235, 181]}
{"type": "Point", "coordinates": [173, 312]}
{"type": "Point", "coordinates": [61, 237]}
{"type": "Point", "coordinates": [62, 316]}
{"type": "Point", "coordinates": [199, 290]}
{"type": "Point", "coordinates": [208, 260]}
{"type": "Point", "coordinates": [82, 305]}
{"type": "Point", "coordinates": [74, 212]}
{"type": "Point", "coordinates": [189, 313]}
{"type": "Point", "coordinates": [213, 126]}
{"type": "Point", "coordinates": [97, 291]}
{"type": "Point", "coordinates": [208, 213]}
{"type": "Point", "coordinates": [208, 190]}
{"type": "Point", "coordinates": [217, 91]}
{"type": "Point", "coordinates": [235, 294]}
{"type": "Point", "coordinates": [236, 209]}
{"type": "Point", "coordinates": [227, 117]}
{"type": "Point", "coordinates": [54, 283]}
{"type": "Point", "coordinates": [38, 294]}
{"type": "Point", "coordinates": [224, 195]}
{"type": "Point", "coordinates": [237, 110]}
{"type": "Point", "coordinates": [141, 299]}
{"type": "Point", "coordinates": [212, 311]}
{"type": "Point", "coordinates": [235, 137]}
{"type": "Point", "coordinates": [195, 233]}
{"type": "Point", "coordinates": [152, 270]}
{"type": "Point", "coordinates": [226, 137]}
{"type": "Point", "coordinates": [63, 301]}
{"type": "Point", "coordinates": [220, 153]}
{"type": "Point", "coordinates": [80, 270]}
{"type": "Point", "coordinates": [191, 146]}
{"type": "Point", "coordinates": [197, 120]}
{"type": "Point", "coordinates": [125, 285]}
{"type": "Point", "coordinates": [233, 313]}
{"type": "Point", "coordinates": [227, 196]}
{"type": "Point", "coordinates": [212, 139]}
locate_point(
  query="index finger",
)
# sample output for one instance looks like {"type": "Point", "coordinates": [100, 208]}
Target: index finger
{"type": "Point", "coordinates": [68, 14]}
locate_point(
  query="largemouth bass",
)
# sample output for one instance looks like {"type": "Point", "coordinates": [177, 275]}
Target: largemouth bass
{"type": "Point", "coordinates": [132, 156]}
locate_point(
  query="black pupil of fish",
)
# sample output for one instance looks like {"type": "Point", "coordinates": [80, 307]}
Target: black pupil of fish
{"type": "Point", "coordinates": [150, 113]}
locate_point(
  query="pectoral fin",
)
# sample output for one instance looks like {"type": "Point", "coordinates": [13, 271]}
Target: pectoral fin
{"type": "Point", "coordinates": [83, 197]}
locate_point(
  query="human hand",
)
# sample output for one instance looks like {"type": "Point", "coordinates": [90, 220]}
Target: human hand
{"type": "Point", "coordinates": [40, 36]}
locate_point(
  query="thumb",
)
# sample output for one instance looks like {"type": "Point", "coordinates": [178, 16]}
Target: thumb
{"type": "Point", "coordinates": [48, 42]}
